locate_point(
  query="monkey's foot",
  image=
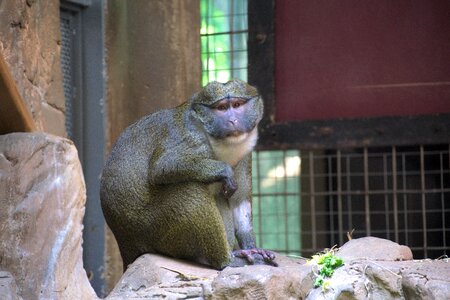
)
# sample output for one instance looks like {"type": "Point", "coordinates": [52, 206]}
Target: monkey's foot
{"type": "Point", "coordinates": [256, 256]}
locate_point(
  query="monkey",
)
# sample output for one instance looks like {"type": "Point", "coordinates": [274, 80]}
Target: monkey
{"type": "Point", "coordinates": [178, 181]}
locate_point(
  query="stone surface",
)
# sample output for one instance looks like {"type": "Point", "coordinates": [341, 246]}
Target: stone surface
{"type": "Point", "coordinates": [8, 287]}
{"type": "Point", "coordinates": [41, 211]}
{"type": "Point", "coordinates": [162, 277]}
{"type": "Point", "coordinates": [366, 279]}
{"type": "Point", "coordinates": [30, 44]}
{"type": "Point", "coordinates": [361, 280]}
{"type": "Point", "coordinates": [425, 279]}
{"type": "Point", "coordinates": [374, 248]}
{"type": "Point", "coordinates": [292, 279]}
{"type": "Point", "coordinates": [155, 276]}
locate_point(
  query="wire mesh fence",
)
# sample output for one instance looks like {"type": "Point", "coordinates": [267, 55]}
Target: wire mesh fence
{"type": "Point", "coordinates": [398, 193]}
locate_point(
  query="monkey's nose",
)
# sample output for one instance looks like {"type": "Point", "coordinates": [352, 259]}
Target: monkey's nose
{"type": "Point", "coordinates": [233, 121]}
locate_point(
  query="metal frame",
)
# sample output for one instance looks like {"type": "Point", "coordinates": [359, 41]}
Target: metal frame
{"type": "Point", "coordinates": [384, 131]}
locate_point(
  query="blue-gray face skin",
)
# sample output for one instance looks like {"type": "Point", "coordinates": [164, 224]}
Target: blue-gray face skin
{"type": "Point", "coordinates": [229, 116]}
{"type": "Point", "coordinates": [227, 109]}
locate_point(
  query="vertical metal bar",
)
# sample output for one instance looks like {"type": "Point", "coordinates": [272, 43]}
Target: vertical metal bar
{"type": "Point", "coordinates": [286, 209]}
{"type": "Point", "coordinates": [312, 200]}
{"type": "Point", "coordinates": [300, 200]}
{"type": "Point", "coordinates": [339, 195]}
{"type": "Point", "coordinates": [258, 174]}
{"type": "Point", "coordinates": [330, 201]}
{"type": "Point", "coordinates": [366, 192]}
{"type": "Point", "coordinates": [395, 191]}
{"type": "Point", "coordinates": [405, 200]}
{"type": "Point", "coordinates": [386, 197]}
{"type": "Point", "coordinates": [349, 195]}
{"type": "Point", "coordinates": [441, 164]}
{"type": "Point", "coordinates": [423, 198]}
{"type": "Point", "coordinates": [208, 15]}
{"type": "Point", "coordinates": [231, 39]}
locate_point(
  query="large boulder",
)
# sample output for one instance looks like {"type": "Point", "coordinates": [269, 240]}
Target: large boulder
{"type": "Point", "coordinates": [370, 279]}
{"type": "Point", "coordinates": [42, 198]}
{"type": "Point", "coordinates": [156, 276]}
{"type": "Point", "coordinates": [375, 249]}
{"type": "Point", "coordinates": [8, 287]}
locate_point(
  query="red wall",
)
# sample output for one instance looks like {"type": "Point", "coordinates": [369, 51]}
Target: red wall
{"type": "Point", "coordinates": [352, 58]}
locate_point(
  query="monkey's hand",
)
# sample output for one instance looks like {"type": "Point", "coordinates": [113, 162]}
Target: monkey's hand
{"type": "Point", "coordinates": [254, 254]}
{"type": "Point", "coordinates": [229, 186]}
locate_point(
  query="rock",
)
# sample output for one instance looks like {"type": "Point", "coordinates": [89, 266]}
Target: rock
{"type": "Point", "coordinates": [156, 276]}
{"type": "Point", "coordinates": [360, 280]}
{"type": "Point", "coordinates": [426, 279]}
{"type": "Point", "coordinates": [8, 288]}
{"type": "Point", "coordinates": [292, 279]}
{"type": "Point", "coordinates": [366, 279]}
{"type": "Point", "coordinates": [41, 211]}
{"type": "Point", "coordinates": [374, 249]}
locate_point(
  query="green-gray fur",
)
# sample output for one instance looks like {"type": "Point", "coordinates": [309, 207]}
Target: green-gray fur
{"type": "Point", "coordinates": [156, 188]}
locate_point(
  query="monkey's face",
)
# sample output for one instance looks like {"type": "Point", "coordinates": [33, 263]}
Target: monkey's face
{"type": "Point", "coordinates": [228, 111]}
{"type": "Point", "coordinates": [230, 118]}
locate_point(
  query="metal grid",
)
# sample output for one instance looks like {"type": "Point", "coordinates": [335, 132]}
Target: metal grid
{"type": "Point", "coordinates": [223, 34]}
{"type": "Point", "coordinates": [398, 193]}
{"type": "Point", "coordinates": [66, 66]}
{"type": "Point", "coordinates": [276, 200]}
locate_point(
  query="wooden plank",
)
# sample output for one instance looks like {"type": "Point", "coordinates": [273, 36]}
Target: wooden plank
{"type": "Point", "coordinates": [14, 115]}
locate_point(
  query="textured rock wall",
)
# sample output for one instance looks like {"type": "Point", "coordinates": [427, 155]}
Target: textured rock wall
{"type": "Point", "coordinates": [30, 44]}
{"type": "Point", "coordinates": [42, 198]}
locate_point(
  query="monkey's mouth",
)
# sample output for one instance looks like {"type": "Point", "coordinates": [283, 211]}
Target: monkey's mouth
{"type": "Point", "coordinates": [234, 134]}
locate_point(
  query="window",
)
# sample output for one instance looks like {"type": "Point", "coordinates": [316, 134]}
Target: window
{"type": "Point", "coordinates": [224, 40]}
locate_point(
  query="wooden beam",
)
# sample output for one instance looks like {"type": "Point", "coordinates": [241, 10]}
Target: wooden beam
{"type": "Point", "coordinates": [14, 115]}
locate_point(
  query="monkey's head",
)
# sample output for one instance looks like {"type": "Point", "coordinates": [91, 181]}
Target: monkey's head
{"type": "Point", "coordinates": [228, 110]}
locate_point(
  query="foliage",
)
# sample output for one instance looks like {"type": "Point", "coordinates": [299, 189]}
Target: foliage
{"type": "Point", "coordinates": [327, 262]}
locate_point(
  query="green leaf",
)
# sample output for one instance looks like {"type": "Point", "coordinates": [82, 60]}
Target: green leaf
{"type": "Point", "coordinates": [328, 263]}
{"type": "Point", "coordinates": [318, 282]}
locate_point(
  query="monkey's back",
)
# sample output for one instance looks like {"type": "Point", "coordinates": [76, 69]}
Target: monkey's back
{"type": "Point", "coordinates": [127, 167]}
{"type": "Point", "coordinates": [127, 198]}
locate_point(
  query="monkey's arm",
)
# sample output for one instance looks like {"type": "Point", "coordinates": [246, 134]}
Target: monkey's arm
{"type": "Point", "coordinates": [184, 167]}
{"type": "Point", "coordinates": [241, 207]}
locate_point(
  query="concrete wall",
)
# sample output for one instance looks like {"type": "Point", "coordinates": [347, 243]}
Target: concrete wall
{"type": "Point", "coordinates": [153, 62]}
{"type": "Point", "coordinates": [30, 45]}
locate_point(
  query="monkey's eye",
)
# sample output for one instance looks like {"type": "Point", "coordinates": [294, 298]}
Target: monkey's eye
{"type": "Point", "coordinates": [237, 104]}
{"type": "Point", "coordinates": [222, 107]}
